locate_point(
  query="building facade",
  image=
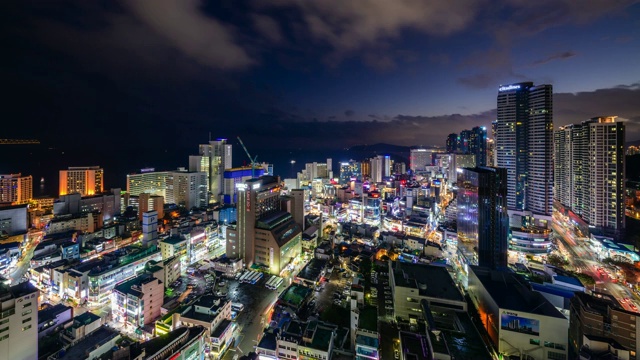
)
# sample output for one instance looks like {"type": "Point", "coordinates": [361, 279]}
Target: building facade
{"type": "Point", "coordinates": [419, 158]}
{"type": "Point", "coordinates": [19, 321]}
{"type": "Point", "coordinates": [16, 189]}
{"type": "Point", "coordinates": [132, 302]}
{"type": "Point", "coordinates": [87, 180]}
{"type": "Point", "coordinates": [188, 189]}
{"type": "Point", "coordinates": [590, 161]}
{"type": "Point", "coordinates": [147, 181]}
{"type": "Point", "coordinates": [219, 155]}
{"type": "Point", "coordinates": [524, 146]}
{"type": "Point", "coordinates": [483, 222]}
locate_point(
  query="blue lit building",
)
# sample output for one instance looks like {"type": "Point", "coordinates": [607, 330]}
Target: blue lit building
{"type": "Point", "coordinates": [235, 176]}
{"type": "Point", "coordinates": [483, 221]}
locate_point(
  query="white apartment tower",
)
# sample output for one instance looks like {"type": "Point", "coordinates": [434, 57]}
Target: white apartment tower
{"type": "Point", "coordinates": [147, 181]}
{"type": "Point", "coordinates": [16, 189]}
{"type": "Point", "coordinates": [187, 188]}
{"type": "Point", "coordinates": [589, 159]}
{"type": "Point", "coordinates": [86, 180]}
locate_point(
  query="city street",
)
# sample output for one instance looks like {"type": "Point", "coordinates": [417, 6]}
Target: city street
{"type": "Point", "coordinates": [23, 265]}
{"type": "Point", "coordinates": [257, 300]}
{"type": "Point", "coordinates": [583, 259]}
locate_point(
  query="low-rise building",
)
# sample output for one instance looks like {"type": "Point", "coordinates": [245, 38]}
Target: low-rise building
{"type": "Point", "coordinates": [518, 320]}
{"type": "Point", "coordinates": [411, 283]}
{"type": "Point", "coordinates": [52, 318]}
{"type": "Point", "coordinates": [167, 270]}
{"type": "Point", "coordinates": [597, 322]}
{"type": "Point", "coordinates": [227, 266]}
{"type": "Point", "coordinates": [85, 222]}
{"type": "Point", "coordinates": [367, 345]}
{"type": "Point", "coordinates": [180, 344]}
{"type": "Point", "coordinates": [214, 314]}
{"type": "Point", "coordinates": [137, 302]}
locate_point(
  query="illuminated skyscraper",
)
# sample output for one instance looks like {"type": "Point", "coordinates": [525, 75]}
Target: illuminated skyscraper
{"type": "Point", "coordinates": [483, 221]}
{"type": "Point", "coordinates": [420, 158]}
{"type": "Point", "coordinates": [147, 181]}
{"type": "Point", "coordinates": [590, 172]}
{"type": "Point", "coordinates": [88, 180]}
{"type": "Point", "coordinates": [478, 144]}
{"type": "Point", "coordinates": [524, 147]}
{"type": "Point", "coordinates": [16, 189]}
{"type": "Point", "coordinates": [452, 143]}
{"type": "Point", "coordinates": [219, 155]}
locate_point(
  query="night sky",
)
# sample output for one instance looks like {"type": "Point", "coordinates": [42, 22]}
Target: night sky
{"type": "Point", "coordinates": [157, 74]}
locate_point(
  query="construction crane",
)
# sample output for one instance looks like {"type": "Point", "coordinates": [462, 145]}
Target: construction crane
{"type": "Point", "coordinates": [253, 160]}
{"type": "Point", "coordinates": [19, 142]}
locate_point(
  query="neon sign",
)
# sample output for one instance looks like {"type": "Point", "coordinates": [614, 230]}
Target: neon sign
{"type": "Point", "coordinates": [509, 87]}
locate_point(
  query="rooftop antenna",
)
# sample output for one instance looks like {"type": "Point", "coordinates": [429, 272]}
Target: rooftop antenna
{"type": "Point", "coordinates": [209, 136]}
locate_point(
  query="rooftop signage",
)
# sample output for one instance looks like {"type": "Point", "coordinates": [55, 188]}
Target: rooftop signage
{"type": "Point", "coordinates": [509, 88]}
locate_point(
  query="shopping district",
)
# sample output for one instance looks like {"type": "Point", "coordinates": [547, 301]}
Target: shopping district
{"type": "Point", "coordinates": [438, 258]}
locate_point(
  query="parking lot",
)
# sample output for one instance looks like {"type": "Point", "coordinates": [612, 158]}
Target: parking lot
{"type": "Point", "coordinates": [332, 291]}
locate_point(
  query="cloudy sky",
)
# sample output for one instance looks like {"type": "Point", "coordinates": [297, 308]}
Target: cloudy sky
{"type": "Point", "coordinates": [292, 73]}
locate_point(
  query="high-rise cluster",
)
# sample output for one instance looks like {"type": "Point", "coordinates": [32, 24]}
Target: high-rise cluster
{"type": "Point", "coordinates": [590, 172]}
{"type": "Point", "coordinates": [470, 142]}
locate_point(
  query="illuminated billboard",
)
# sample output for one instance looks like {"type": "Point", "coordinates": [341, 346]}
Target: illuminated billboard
{"type": "Point", "coordinates": [513, 322]}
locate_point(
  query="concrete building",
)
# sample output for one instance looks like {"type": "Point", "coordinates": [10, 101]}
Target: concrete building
{"type": "Point", "coordinates": [188, 189]}
{"type": "Point", "coordinates": [483, 222]}
{"type": "Point", "coordinates": [520, 322]}
{"type": "Point", "coordinates": [87, 180]}
{"type": "Point", "coordinates": [148, 202]}
{"type": "Point", "coordinates": [524, 146]}
{"type": "Point", "coordinates": [219, 155]}
{"type": "Point", "coordinates": [53, 318]}
{"type": "Point", "coordinates": [411, 283]}
{"type": "Point", "coordinates": [167, 270]}
{"type": "Point", "coordinates": [264, 234]}
{"type": "Point", "coordinates": [419, 158]}
{"type": "Point", "coordinates": [132, 301]}
{"type": "Point", "coordinates": [107, 204]}
{"type": "Point", "coordinates": [350, 170]}
{"type": "Point", "coordinates": [147, 181]}
{"type": "Point", "coordinates": [19, 321]}
{"type": "Point", "coordinates": [380, 168]}
{"type": "Point", "coordinates": [179, 344]}
{"type": "Point", "coordinates": [87, 222]}
{"type": "Point", "coordinates": [14, 220]}
{"type": "Point", "coordinates": [214, 314]}
{"type": "Point", "coordinates": [602, 320]}
{"type": "Point", "coordinates": [16, 189]}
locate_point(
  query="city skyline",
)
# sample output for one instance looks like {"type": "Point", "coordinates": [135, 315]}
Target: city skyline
{"type": "Point", "coordinates": [294, 73]}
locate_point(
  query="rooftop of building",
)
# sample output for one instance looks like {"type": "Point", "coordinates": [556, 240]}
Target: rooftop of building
{"type": "Point", "coordinates": [599, 304]}
{"type": "Point", "coordinates": [568, 280]}
{"type": "Point", "coordinates": [133, 287]}
{"type": "Point", "coordinates": [16, 291]}
{"type": "Point", "coordinates": [431, 281]}
{"type": "Point", "coordinates": [51, 312]}
{"type": "Point", "coordinates": [85, 319]}
{"type": "Point", "coordinates": [173, 240]}
{"type": "Point", "coordinates": [268, 341]}
{"type": "Point", "coordinates": [511, 292]}
{"type": "Point", "coordinates": [13, 207]}
{"type": "Point", "coordinates": [212, 302]}
{"type": "Point", "coordinates": [272, 221]}
{"type": "Point", "coordinates": [220, 329]}
{"type": "Point", "coordinates": [321, 338]}
{"type": "Point", "coordinates": [295, 295]}
{"type": "Point", "coordinates": [97, 338]}
{"type": "Point", "coordinates": [414, 346]}
{"type": "Point", "coordinates": [366, 339]}
{"type": "Point", "coordinates": [312, 270]}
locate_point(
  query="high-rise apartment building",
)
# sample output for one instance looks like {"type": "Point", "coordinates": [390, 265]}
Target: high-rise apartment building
{"type": "Point", "coordinates": [350, 170]}
{"type": "Point", "coordinates": [483, 222]}
{"type": "Point", "coordinates": [86, 180]}
{"type": "Point", "coordinates": [16, 189]}
{"type": "Point", "coordinates": [452, 143]}
{"type": "Point", "coordinates": [419, 158]}
{"type": "Point", "coordinates": [478, 144]}
{"type": "Point", "coordinates": [524, 147]}
{"type": "Point", "coordinates": [380, 168]}
{"type": "Point", "coordinates": [590, 171]}
{"type": "Point", "coordinates": [463, 141]}
{"type": "Point", "coordinates": [147, 181]}
{"type": "Point", "coordinates": [457, 162]}
{"type": "Point", "coordinates": [185, 188]}
{"type": "Point", "coordinates": [219, 156]}
{"type": "Point", "coordinates": [19, 321]}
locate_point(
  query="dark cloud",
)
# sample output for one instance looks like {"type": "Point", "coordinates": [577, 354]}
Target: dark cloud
{"type": "Point", "coordinates": [349, 113]}
{"type": "Point", "coordinates": [558, 56]}
{"type": "Point", "coordinates": [269, 28]}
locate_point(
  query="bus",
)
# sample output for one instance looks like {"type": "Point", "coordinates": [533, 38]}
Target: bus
{"type": "Point", "coordinates": [278, 283]}
{"type": "Point", "coordinates": [270, 281]}
{"type": "Point", "coordinates": [257, 277]}
{"type": "Point", "coordinates": [244, 276]}
{"type": "Point", "coordinates": [237, 307]}
{"type": "Point", "coordinates": [250, 277]}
